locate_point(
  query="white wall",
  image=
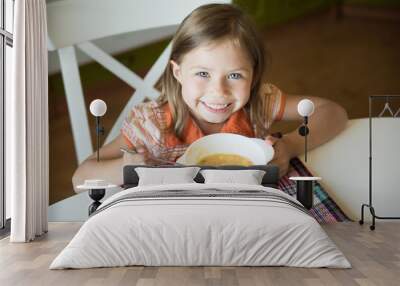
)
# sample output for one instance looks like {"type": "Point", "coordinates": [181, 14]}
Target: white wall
{"type": "Point", "coordinates": [343, 165]}
{"type": "Point", "coordinates": [74, 208]}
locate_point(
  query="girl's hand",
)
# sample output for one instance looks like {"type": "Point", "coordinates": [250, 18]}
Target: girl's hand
{"type": "Point", "coordinates": [133, 159]}
{"type": "Point", "coordinates": [281, 156]}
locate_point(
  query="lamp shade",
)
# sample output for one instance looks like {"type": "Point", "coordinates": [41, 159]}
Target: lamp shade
{"type": "Point", "coordinates": [305, 107]}
{"type": "Point", "coordinates": [98, 107]}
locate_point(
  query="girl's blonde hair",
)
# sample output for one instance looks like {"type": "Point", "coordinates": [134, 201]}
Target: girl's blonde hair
{"type": "Point", "coordinates": [212, 23]}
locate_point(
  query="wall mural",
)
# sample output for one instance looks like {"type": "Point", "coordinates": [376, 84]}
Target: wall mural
{"type": "Point", "coordinates": [208, 89]}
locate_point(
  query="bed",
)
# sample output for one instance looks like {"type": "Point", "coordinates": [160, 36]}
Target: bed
{"type": "Point", "coordinates": [201, 224]}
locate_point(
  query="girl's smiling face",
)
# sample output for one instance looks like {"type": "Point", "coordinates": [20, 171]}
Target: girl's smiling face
{"type": "Point", "coordinates": [216, 80]}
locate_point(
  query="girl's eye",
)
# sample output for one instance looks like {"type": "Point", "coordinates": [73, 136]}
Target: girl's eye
{"type": "Point", "coordinates": [235, 76]}
{"type": "Point", "coordinates": [203, 74]}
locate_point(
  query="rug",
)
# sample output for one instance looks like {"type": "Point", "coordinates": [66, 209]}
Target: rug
{"type": "Point", "coordinates": [325, 210]}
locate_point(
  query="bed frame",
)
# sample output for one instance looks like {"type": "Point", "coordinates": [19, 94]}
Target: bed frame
{"type": "Point", "coordinates": [270, 178]}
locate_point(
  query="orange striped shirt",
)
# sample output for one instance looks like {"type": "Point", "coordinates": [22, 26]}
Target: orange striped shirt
{"type": "Point", "coordinates": [144, 127]}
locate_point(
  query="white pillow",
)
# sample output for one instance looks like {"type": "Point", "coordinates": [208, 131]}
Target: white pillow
{"type": "Point", "coordinates": [164, 176]}
{"type": "Point", "coordinates": [248, 177]}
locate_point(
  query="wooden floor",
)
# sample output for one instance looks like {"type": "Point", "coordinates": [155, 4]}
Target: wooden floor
{"type": "Point", "coordinates": [375, 257]}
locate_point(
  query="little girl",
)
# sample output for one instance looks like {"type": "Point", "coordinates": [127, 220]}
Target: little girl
{"type": "Point", "coordinates": [214, 82]}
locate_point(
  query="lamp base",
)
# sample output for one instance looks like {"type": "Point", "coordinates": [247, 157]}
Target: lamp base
{"type": "Point", "coordinates": [96, 195]}
{"type": "Point", "coordinates": [305, 193]}
{"type": "Point", "coordinates": [304, 190]}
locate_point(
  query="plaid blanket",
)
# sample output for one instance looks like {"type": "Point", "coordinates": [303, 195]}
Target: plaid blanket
{"type": "Point", "coordinates": [325, 210]}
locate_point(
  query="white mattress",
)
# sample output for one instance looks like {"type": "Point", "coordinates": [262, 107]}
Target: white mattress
{"type": "Point", "coordinates": [183, 231]}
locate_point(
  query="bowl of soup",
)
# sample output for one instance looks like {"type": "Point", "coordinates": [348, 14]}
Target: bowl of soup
{"type": "Point", "coordinates": [227, 149]}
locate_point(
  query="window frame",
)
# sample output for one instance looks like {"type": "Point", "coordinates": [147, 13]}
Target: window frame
{"type": "Point", "coordinates": [6, 39]}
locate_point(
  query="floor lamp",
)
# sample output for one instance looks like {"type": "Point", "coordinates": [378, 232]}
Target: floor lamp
{"type": "Point", "coordinates": [96, 187]}
{"type": "Point", "coordinates": [304, 185]}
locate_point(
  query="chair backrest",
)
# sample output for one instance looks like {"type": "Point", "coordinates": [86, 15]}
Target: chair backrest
{"type": "Point", "coordinates": [74, 21]}
{"type": "Point", "coordinates": [77, 23]}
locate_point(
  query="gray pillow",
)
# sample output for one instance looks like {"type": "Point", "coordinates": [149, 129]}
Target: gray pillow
{"type": "Point", "coordinates": [247, 177]}
{"type": "Point", "coordinates": [166, 176]}
{"type": "Point", "coordinates": [271, 177]}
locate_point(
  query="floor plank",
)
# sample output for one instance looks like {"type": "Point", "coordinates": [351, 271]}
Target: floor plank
{"type": "Point", "coordinates": [375, 257]}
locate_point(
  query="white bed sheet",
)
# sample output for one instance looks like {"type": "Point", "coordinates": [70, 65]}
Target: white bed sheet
{"type": "Point", "coordinates": [200, 231]}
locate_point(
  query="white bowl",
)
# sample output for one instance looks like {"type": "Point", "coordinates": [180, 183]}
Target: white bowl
{"type": "Point", "coordinates": [256, 150]}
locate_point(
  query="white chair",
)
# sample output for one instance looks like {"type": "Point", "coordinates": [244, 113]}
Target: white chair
{"type": "Point", "coordinates": [78, 24]}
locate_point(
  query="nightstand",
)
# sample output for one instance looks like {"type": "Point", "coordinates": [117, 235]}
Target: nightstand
{"type": "Point", "coordinates": [96, 190]}
{"type": "Point", "coordinates": [304, 190]}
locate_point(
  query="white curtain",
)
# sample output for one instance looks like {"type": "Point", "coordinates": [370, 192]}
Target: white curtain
{"type": "Point", "coordinates": [27, 143]}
